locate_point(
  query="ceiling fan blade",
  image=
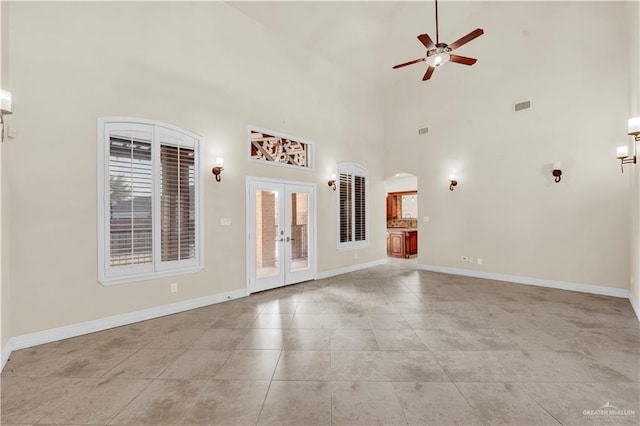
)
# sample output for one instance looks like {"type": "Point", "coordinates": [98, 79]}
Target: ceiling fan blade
{"type": "Point", "coordinates": [462, 60]}
{"type": "Point", "coordinates": [466, 39]}
{"type": "Point", "coordinates": [410, 63]}
{"type": "Point", "coordinates": [426, 40]}
{"type": "Point", "coordinates": [427, 75]}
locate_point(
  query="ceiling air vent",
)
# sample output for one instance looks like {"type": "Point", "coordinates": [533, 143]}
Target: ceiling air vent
{"type": "Point", "coordinates": [423, 131]}
{"type": "Point", "coordinates": [523, 105]}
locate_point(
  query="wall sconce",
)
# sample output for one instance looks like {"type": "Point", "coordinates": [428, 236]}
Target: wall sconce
{"type": "Point", "coordinates": [217, 170]}
{"type": "Point", "coordinates": [556, 172]}
{"type": "Point", "coordinates": [332, 181]}
{"type": "Point", "coordinates": [622, 152]}
{"type": "Point", "coordinates": [5, 108]}
{"type": "Point", "coordinates": [452, 181]}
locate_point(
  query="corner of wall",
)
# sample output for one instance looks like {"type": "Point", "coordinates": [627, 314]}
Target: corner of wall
{"type": "Point", "coordinates": [4, 281]}
{"type": "Point", "coordinates": [634, 110]}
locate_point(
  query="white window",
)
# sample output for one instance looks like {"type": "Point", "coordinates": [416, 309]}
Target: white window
{"type": "Point", "coordinates": [148, 200]}
{"type": "Point", "coordinates": [353, 186]}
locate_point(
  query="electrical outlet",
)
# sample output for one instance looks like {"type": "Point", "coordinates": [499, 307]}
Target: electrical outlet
{"type": "Point", "coordinates": [465, 258]}
{"type": "Point", "coordinates": [225, 221]}
{"type": "Point", "coordinates": [355, 255]}
{"type": "Point", "coordinates": [479, 261]}
{"type": "Point", "coordinates": [471, 260]}
{"type": "Point", "coordinates": [174, 287]}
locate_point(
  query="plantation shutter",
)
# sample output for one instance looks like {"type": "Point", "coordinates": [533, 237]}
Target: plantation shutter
{"type": "Point", "coordinates": [352, 206]}
{"type": "Point", "coordinates": [177, 203]}
{"type": "Point", "coordinates": [149, 200]}
{"type": "Point", "coordinates": [360, 212]}
{"type": "Point", "coordinates": [130, 192]}
{"type": "Point", "coordinates": [345, 208]}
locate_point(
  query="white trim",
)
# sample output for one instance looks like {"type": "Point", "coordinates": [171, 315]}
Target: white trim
{"type": "Point", "coordinates": [6, 353]}
{"type": "Point", "coordinates": [634, 305]}
{"type": "Point", "coordinates": [310, 148]}
{"type": "Point", "coordinates": [561, 285]}
{"type": "Point", "coordinates": [358, 267]}
{"type": "Point", "coordinates": [150, 275]}
{"type": "Point", "coordinates": [161, 133]}
{"type": "Point", "coordinates": [73, 330]}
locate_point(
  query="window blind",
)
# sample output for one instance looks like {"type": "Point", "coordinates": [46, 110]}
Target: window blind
{"type": "Point", "coordinates": [177, 203]}
{"type": "Point", "coordinates": [149, 206]}
{"type": "Point", "coordinates": [352, 206]}
{"type": "Point", "coordinates": [360, 212]}
{"type": "Point", "coordinates": [346, 214]}
{"type": "Point", "coordinates": [130, 192]}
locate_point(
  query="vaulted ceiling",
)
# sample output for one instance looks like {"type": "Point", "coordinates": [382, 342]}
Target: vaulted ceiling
{"type": "Point", "coordinates": [368, 38]}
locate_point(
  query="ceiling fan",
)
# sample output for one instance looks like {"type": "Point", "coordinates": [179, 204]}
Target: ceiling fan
{"type": "Point", "coordinates": [440, 53]}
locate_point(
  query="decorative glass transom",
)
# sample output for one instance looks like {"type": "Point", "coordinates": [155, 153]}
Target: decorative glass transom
{"type": "Point", "coordinates": [279, 149]}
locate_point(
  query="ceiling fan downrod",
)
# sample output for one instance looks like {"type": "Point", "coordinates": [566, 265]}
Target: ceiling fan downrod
{"type": "Point", "coordinates": [437, 32]}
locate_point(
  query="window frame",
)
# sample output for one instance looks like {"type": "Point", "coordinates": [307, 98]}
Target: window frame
{"type": "Point", "coordinates": [108, 275]}
{"type": "Point", "coordinates": [353, 170]}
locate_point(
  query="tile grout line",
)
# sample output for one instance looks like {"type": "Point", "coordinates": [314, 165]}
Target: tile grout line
{"type": "Point", "coordinates": [538, 402]}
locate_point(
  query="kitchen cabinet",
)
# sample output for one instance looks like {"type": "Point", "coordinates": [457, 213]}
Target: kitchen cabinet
{"type": "Point", "coordinates": [402, 205]}
{"type": "Point", "coordinates": [402, 243]}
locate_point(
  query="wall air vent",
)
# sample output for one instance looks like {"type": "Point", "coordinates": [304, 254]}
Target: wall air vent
{"type": "Point", "coordinates": [423, 131]}
{"type": "Point", "coordinates": [522, 105]}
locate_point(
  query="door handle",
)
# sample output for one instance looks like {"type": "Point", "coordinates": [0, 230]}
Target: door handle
{"type": "Point", "coordinates": [288, 239]}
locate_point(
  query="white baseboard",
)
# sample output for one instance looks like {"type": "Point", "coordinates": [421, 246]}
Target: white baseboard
{"type": "Point", "coordinates": [358, 267]}
{"type": "Point", "coordinates": [65, 332]}
{"type": "Point", "coordinates": [561, 285]}
{"type": "Point", "coordinates": [6, 353]}
{"type": "Point", "coordinates": [634, 304]}
{"type": "Point", "coordinates": [73, 330]}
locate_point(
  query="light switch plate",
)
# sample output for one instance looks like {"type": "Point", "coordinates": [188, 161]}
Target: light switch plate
{"type": "Point", "coordinates": [425, 218]}
{"type": "Point", "coordinates": [225, 221]}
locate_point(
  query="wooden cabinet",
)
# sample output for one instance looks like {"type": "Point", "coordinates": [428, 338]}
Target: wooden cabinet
{"type": "Point", "coordinates": [394, 207]}
{"type": "Point", "coordinates": [410, 244]}
{"type": "Point", "coordinates": [396, 244]}
{"type": "Point", "coordinates": [402, 243]}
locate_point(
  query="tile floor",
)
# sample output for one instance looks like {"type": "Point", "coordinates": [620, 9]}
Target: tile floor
{"type": "Point", "coordinates": [388, 345]}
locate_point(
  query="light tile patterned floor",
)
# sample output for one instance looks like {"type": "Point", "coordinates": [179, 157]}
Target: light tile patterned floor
{"type": "Point", "coordinates": [387, 345]}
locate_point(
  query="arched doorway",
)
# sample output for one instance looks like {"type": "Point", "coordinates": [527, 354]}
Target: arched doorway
{"type": "Point", "coordinates": [402, 216]}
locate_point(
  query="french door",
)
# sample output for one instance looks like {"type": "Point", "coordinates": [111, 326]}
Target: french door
{"type": "Point", "coordinates": [281, 233]}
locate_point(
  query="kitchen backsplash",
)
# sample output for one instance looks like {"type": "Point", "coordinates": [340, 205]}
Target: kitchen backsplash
{"type": "Point", "coordinates": [402, 223]}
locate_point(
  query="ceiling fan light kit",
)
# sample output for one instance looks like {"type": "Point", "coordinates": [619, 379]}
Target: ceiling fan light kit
{"type": "Point", "coordinates": [439, 54]}
{"type": "Point", "coordinates": [436, 59]}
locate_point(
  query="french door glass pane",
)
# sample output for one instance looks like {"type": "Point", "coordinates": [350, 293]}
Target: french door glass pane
{"type": "Point", "coordinates": [267, 234]}
{"type": "Point", "coordinates": [299, 248]}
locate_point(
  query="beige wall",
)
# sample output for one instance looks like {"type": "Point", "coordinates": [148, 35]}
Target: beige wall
{"type": "Point", "coordinates": [201, 66]}
{"type": "Point", "coordinates": [4, 279]}
{"type": "Point", "coordinates": [634, 111]}
{"type": "Point", "coordinates": [210, 69]}
{"type": "Point", "coordinates": [506, 208]}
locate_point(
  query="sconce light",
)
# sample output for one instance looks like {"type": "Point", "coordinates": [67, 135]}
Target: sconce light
{"type": "Point", "coordinates": [556, 171]}
{"type": "Point", "coordinates": [332, 181]}
{"type": "Point", "coordinates": [452, 181]}
{"type": "Point", "coordinates": [217, 170]}
{"type": "Point", "coordinates": [622, 152]}
{"type": "Point", "coordinates": [5, 108]}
